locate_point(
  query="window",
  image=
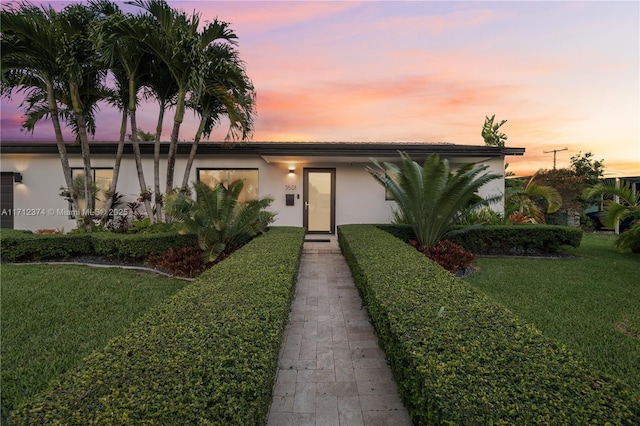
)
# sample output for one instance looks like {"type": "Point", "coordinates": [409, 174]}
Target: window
{"type": "Point", "coordinates": [102, 179]}
{"type": "Point", "coordinates": [213, 177]}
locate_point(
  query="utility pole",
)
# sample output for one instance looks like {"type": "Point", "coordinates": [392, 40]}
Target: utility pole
{"type": "Point", "coordinates": [554, 155]}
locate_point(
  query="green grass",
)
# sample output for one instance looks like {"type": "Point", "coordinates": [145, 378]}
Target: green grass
{"type": "Point", "coordinates": [55, 315]}
{"type": "Point", "coordinates": [590, 302]}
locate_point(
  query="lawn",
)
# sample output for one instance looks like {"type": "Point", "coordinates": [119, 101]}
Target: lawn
{"type": "Point", "coordinates": [590, 302]}
{"type": "Point", "coordinates": [55, 315]}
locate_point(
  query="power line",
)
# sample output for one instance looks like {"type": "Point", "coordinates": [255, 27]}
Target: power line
{"type": "Point", "coordinates": [554, 155]}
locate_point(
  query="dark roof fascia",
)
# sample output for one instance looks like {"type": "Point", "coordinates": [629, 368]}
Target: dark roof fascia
{"type": "Point", "coordinates": [337, 149]}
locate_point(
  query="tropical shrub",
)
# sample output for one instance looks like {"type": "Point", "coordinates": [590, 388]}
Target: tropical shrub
{"type": "Point", "coordinates": [183, 262]}
{"type": "Point", "coordinates": [431, 198]}
{"type": "Point", "coordinates": [220, 221]}
{"type": "Point", "coordinates": [460, 358]}
{"type": "Point", "coordinates": [530, 202]}
{"type": "Point", "coordinates": [483, 216]}
{"type": "Point", "coordinates": [209, 355]}
{"type": "Point", "coordinates": [627, 207]}
{"type": "Point", "coordinates": [450, 256]}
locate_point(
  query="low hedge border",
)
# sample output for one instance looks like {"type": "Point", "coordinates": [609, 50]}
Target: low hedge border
{"type": "Point", "coordinates": [461, 358]}
{"type": "Point", "coordinates": [139, 246]}
{"type": "Point", "coordinates": [207, 356]}
{"type": "Point", "coordinates": [18, 246]}
{"type": "Point", "coordinates": [504, 239]}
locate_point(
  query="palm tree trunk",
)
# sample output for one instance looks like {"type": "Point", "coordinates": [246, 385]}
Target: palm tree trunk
{"type": "Point", "coordinates": [116, 167]}
{"type": "Point", "coordinates": [86, 155]}
{"type": "Point", "coordinates": [192, 154]}
{"type": "Point", "coordinates": [156, 165]}
{"type": "Point", "coordinates": [173, 145]}
{"type": "Point", "coordinates": [62, 150]}
{"type": "Point", "coordinates": [144, 193]}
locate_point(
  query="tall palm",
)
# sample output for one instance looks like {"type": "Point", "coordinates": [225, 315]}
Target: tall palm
{"type": "Point", "coordinates": [29, 48]}
{"type": "Point", "coordinates": [626, 205]}
{"type": "Point", "coordinates": [227, 91]}
{"type": "Point", "coordinates": [79, 61]}
{"type": "Point", "coordinates": [160, 85]}
{"type": "Point", "coordinates": [180, 45]}
{"type": "Point", "coordinates": [120, 50]}
{"type": "Point", "coordinates": [525, 201]}
{"type": "Point", "coordinates": [431, 197]}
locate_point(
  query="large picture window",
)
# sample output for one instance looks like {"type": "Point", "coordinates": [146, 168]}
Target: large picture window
{"type": "Point", "coordinates": [102, 178]}
{"type": "Point", "coordinates": [213, 177]}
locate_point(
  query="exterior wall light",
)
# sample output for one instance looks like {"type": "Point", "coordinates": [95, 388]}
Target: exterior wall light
{"type": "Point", "coordinates": [291, 171]}
{"type": "Point", "coordinates": [17, 177]}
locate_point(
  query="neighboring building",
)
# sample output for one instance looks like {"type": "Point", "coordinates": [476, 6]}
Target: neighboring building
{"type": "Point", "coordinates": [316, 185]}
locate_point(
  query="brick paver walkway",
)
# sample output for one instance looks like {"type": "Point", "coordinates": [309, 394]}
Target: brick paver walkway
{"type": "Point", "coordinates": [331, 369]}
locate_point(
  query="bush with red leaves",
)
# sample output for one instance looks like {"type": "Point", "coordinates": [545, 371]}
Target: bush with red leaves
{"type": "Point", "coordinates": [183, 262]}
{"type": "Point", "coordinates": [450, 256]}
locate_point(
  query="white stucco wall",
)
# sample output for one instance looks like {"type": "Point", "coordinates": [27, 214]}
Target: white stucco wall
{"type": "Point", "coordinates": [359, 198]}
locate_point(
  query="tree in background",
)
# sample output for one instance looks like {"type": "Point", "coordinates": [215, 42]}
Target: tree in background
{"type": "Point", "coordinates": [587, 166]}
{"type": "Point", "coordinates": [584, 171]}
{"type": "Point", "coordinates": [626, 205]}
{"type": "Point", "coordinates": [491, 134]}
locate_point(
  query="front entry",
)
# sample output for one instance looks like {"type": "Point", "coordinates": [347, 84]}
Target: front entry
{"type": "Point", "coordinates": [319, 201]}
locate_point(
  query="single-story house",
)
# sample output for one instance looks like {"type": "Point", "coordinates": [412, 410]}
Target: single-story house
{"type": "Point", "coordinates": [316, 185]}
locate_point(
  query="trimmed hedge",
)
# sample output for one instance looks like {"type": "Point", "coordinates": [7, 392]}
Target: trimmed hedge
{"type": "Point", "coordinates": [207, 356]}
{"type": "Point", "coordinates": [461, 358]}
{"type": "Point", "coordinates": [17, 246]}
{"type": "Point", "coordinates": [504, 239]}
{"type": "Point", "coordinates": [139, 246]}
{"type": "Point", "coordinates": [21, 246]}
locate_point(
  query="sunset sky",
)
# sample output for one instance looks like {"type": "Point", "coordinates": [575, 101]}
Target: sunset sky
{"type": "Point", "coordinates": [564, 74]}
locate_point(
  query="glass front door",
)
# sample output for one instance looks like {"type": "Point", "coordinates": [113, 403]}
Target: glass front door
{"type": "Point", "coordinates": [319, 200]}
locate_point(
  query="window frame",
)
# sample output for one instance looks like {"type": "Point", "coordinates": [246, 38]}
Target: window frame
{"type": "Point", "coordinates": [72, 214]}
{"type": "Point", "coordinates": [227, 182]}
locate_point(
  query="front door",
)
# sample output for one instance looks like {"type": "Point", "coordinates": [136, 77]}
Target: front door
{"type": "Point", "coordinates": [319, 200]}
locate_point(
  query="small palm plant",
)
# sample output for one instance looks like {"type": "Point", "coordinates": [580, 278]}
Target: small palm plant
{"type": "Point", "coordinates": [431, 198]}
{"type": "Point", "coordinates": [627, 206]}
{"type": "Point", "coordinates": [521, 205]}
{"type": "Point", "coordinates": [220, 221]}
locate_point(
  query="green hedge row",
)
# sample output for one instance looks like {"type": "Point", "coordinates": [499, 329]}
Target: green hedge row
{"type": "Point", "coordinates": [139, 246]}
{"type": "Point", "coordinates": [207, 356]}
{"type": "Point", "coordinates": [504, 239]}
{"type": "Point", "coordinates": [461, 358]}
{"type": "Point", "coordinates": [20, 246]}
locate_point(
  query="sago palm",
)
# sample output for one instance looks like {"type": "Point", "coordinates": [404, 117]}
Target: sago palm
{"type": "Point", "coordinates": [219, 220]}
{"type": "Point", "coordinates": [431, 197]}
{"type": "Point", "coordinates": [627, 206]}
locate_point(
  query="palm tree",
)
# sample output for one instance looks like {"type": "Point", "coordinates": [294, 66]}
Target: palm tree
{"type": "Point", "coordinates": [160, 85]}
{"type": "Point", "coordinates": [626, 205]}
{"type": "Point", "coordinates": [120, 50]}
{"type": "Point", "coordinates": [29, 48]}
{"type": "Point", "coordinates": [523, 201]}
{"type": "Point", "coordinates": [180, 45]}
{"type": "Point", "coordinates": [227, 91]}
{"type": "Point", "coordinates": [220, 221]}
{"type": "Point", "coordinates": [79, 61]}
{"type": "Point", "coordinates": [490, 132]}
{"type": "Point", "coordinates": [430, 197]}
